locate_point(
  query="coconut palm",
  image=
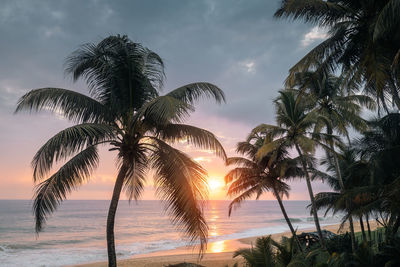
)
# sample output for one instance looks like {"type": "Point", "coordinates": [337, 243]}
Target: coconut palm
{"type": "Point", "coordinates": [346, 195]}
{"type": "Point", "coordinates": [253, 177]}
{"type": "Point", "coordinates": [380, 147]}
{"type": "Point", "coordinates": [295, 123]}
{"type": "Point", "coordinates": [340, 111]}
{"type": "Point", "coordinates": [125, 112]}
{"type": "Point", "coordinates": [363, 42]}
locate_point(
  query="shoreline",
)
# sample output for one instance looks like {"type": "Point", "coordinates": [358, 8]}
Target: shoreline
{"type": "Point", "coordinates": [218, 254]}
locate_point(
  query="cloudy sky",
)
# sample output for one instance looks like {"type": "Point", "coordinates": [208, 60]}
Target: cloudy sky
{"type": "Point", "coordinates": [235, 44]}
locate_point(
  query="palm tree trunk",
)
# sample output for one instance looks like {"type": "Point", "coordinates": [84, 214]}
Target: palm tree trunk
{"type": "Point", "coordinates": [289, 223]}
{"type": "Point", "coordinates": [368, 227]}
{"type": "Point", "coordinates": [112, 258]}
{"type": "Point", "coordinates": [362, 228]}
{"type": "Point", "coordinates": [310, 192]}
{"type": "Point", "coordinates": [352, 235]}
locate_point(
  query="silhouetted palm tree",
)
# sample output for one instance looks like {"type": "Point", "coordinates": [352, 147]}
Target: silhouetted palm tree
{"type": "Point", "coordinates": [254, 177]}
{"type": "Point", "coordinates": [339, 111]}
{"type": "Point", "coordinates": [294, 129]}
{"type": "Point", "coordinates": [124, 110]}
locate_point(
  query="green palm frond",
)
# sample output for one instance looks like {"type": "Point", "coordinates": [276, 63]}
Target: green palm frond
{"type": "Point", "coordinates": [193, 135]}
{"type": "Point", "coordinates": [266, 129]}
{"type": "Point", "coordinates": [246, 194]}
{"type": "Point", "coordinates": [314, 11]}
{"type": "Point", "coordinates": [51, 192]}
{"type": "Point", "coordinates": [239, 172]}
{"type": "Point", "coordinates": [181, 182]}
{"type": "Point", "coordinates": [72, 105]}
{"type": "Point", "coordinates": [190, 93]}
{"type": "Point", "coordinates": [246, 148]}
{"type": "Point", "coordinates": [260, 255]}
{"type": "Point", "coordinates": [244, 183]}
{"type": "Point", "coordinates": [164, 110]}
{"type": "Point", "coordinates": [66, 143]}
{"type": "Point", "coordinates": [239, 161]}
{"type": "Point", "coordinates": [136, 173]}
{"type": "Point", "coordinates": [329, 201]}
{"type": "Point", "coordinates": [387, 21]}
{"type": "Point", "coordinates": [270, 147]}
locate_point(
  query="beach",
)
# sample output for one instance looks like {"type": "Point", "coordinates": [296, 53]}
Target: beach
{"type": "Point", "coordinates": [212, 259]}
{"type": "Point", "coordinates": [75, 234]}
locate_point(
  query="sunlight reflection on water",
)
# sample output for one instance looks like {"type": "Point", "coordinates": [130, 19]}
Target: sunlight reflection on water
{"type": "Point", "coordinates": [218, 246]}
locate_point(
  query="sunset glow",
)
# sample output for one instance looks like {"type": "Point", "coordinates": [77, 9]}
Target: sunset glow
{"type": "Point", "coordinates": [215, 184]}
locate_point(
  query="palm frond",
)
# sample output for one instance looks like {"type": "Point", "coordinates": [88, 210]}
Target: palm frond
{"type": "Point", "coordinates": [51, 192]}
{"type": "Point", "coordinates": [72, 105]}
{"type": "Point", "coordinates": [181, 182]}
{"type": "Point", "coordinates": [235, 203]}
{"type": "Point", "coordinates": [241, 162]}
{"type": "Point", "coordinates": [190, 93]}
{"type": "Point", "coordinates": [136, 173]}
{"type": "Point", "coordinates": [164, 110]}
{"type": "Point", "coordinates": [319, 12]}
{"type": "Point", "coordinates": [66, 143]}
{"type": "Point", "coordinates": [193, 135]}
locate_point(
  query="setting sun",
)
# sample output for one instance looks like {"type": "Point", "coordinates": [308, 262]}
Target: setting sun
{"type": "Point", "coordinates": [214, 184]}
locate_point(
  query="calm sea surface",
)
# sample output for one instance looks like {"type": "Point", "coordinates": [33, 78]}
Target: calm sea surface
{"type": "Point", "coordinates": [76, 231]}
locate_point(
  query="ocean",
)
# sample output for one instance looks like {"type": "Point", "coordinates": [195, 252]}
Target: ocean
{"type": "Point", "coordinates": [75, 233]}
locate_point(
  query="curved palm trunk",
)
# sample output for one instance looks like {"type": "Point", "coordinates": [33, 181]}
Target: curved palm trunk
{"type": "Point", "coordinates": [339, 175]}
{"type": "Point", "coordinates": [310, 192]}
{"type": "Point", "coordinates": [112, 259]}
{"type": "Point", "coordinates": [287, 219]}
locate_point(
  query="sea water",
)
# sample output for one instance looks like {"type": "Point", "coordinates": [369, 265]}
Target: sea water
{"type": "Point", "coordinates": [75, 233]}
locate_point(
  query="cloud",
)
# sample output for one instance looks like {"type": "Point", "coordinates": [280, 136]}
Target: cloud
{"type": "Point", "coordinates": [235, 44]}
{"type": "Point", "coordinates": [203, 159]}
{"type": "Point", "coordinates": [313, 35]}
{"type": "Point", "coordinates": [249, 66]}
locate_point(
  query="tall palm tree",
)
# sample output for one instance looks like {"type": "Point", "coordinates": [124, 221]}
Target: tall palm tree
{"type": "Point", "coordinates": [126, 112]}
{"type": "Point", "coordinates": [253, 177]}
{"type": "Point", "coordinates": [294, 129]}
{"type": "Point", "coordinates": [363, 42]}
{"type": "Point", "coordinates": [339, 111]}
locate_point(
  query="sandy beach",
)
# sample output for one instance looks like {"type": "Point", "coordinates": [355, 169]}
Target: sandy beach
{"type": "Point", "coordinates": [219, 254]}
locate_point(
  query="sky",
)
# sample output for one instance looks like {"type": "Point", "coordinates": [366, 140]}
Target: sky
{"type": "Point", "coordinates": [234, 44]}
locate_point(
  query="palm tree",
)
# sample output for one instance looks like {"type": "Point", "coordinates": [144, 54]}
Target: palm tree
{"type": "Point", "coordinates": [339, 111]}
{"type": "Point", "coordinates": [380, 147]}
{"type": "Point", "coordinates": [262, 255]}
{"type": "Point", "coordinates": [126, 112]}
{"type": "Point", "coordinates": [346, 196]}
{"type": "Point", "coordinates": [363, 42]}
{"type": "Point", "coordinates": [294, 130]}
{"type": "Point", "coordinates": [253, 177]}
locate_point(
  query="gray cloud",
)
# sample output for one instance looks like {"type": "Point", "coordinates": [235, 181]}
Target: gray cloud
{"type": "Point", "coordinates": [236, 44]}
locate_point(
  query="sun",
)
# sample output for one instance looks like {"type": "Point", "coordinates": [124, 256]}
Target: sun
{"type": "Point", "coordinates": [214, 184]}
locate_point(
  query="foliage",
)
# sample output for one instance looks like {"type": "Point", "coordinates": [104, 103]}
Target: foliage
{"type": "Point", "coordinates": [362, 43]}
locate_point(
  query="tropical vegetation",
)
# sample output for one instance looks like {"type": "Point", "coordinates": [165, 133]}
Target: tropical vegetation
{"type": "Point", "coordinates": [328, 105]}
